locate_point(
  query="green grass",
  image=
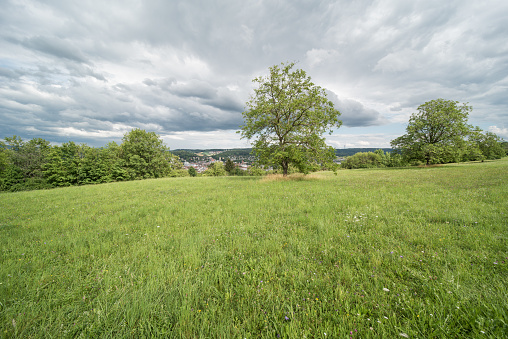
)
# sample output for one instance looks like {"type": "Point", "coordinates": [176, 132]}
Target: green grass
{"type": "Point", "coordinates": [364, 254]}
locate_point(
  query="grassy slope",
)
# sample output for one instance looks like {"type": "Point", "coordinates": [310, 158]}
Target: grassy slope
{"type": "Point", "coordinates": [366, 253]}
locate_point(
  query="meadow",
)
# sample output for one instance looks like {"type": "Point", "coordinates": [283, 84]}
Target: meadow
{"type": "Point", "coordinates": [411, 252]}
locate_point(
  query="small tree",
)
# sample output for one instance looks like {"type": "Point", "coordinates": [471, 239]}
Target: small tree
{"type": "Point", "coordinates": [146, 156]}
{"type": "Point", "coordinates": [215, 169]}
{"type": "Point", "coordinates": [192, 171]}
{"type": "Point", "coordinates": [256, 171]}
{"type": "Point", "coordinates": [435, 134]}
{"type": "Point", "coordinates": [490, 146]}
{"type": "Point", "coordinates": [286, 117]}
{"type": "Point", "coordinates": [230, 166]}
{"type": "Point", "coordinates": [364, 160]}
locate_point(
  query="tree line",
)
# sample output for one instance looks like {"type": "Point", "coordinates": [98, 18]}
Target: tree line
{"type": "Point", "coordinates": [35, 164]}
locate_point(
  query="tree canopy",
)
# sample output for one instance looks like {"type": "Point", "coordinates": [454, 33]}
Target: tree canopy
{"type": "Point", "coordinates": [286, 117]}
{"type": "Point", "coordinates": [145, 155]}
{"type": "Point", "coordinates": [435, 134]}
{"type": "Point", "coordinates": [439, 133]}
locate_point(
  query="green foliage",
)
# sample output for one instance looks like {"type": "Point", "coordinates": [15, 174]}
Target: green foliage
{"type": "Point", "coordinates": [21, 163]}
{"type": "Point", "coordinates": [36, 165]}
{"type": "Point", "coordinates": [230, 166]}
{"type": "Point", "coordinates": [192, 171]}
{"type": "Point", "coordinates": [394, 159]}
{"type": "Point", "coordinates": [115, 163]}
{"type": "Point", "coordinates": [347, 152]}
{"type": "Point", "coordinates": [363, 160]}
{"type": "Point", "coordinates": [504, 145]}
{"type": "Point", "coordinates": [239, 172]}
{"type": "Point", "coordinates": [4, 157]}
{"type": "Point", "coordinates": [286, 117]}
{"type": "Point", "coordinates": [439, 133]}
{"type": "Point", "coordinates": [12, 179]}
{"type": "Point", "coordinates": [373, 160]}
{"type": "Point", "coordinates": [179, 173]}
{"type": "Point", "coordinates": [215, 169]}
{"type": "Point", "coordinates": [435, 134]}
{"type": "Point", "coordinates": [487, 144]}
{"type": "Point", "coordinates": [146, 156]}
{"type": "Point", "coordinates": [63, 165]}
{"type": "Point", "coordinates": [256, 171]}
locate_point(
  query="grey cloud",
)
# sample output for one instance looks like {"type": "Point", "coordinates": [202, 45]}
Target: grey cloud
{"type": "Point", "coordinates": [55, 47]}
{"type": "Point", "coordinates": [193, 88]}
{"type": "Point", "coordinates": [354, 113]}
{"type": "Point", "coordinates": [226, 103]}
{"type": "Point", "coordinates": [79, 70]}
{"type": "Point", "coordinates": [149, 82]}
{"type": "Point", "coordinates": [8, 73]}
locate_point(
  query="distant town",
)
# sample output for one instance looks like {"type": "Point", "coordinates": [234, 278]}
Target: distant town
{"type": "Point", "coordinates": [201, 159]}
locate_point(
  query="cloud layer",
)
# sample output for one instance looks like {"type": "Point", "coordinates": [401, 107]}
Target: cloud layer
{"type": "Point", "coordinates": [91, 71]}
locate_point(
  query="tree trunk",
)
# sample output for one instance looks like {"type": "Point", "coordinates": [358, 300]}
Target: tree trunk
{"type": "Point", "coordinates": [285, 167]}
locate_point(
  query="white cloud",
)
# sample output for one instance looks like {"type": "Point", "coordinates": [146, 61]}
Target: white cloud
{"type": "Point", "coordinates": [500, 132]}
{"type": "Point", "coordinates": [372, 140]}
{"type": "Point", "coordinates": [317, 56]}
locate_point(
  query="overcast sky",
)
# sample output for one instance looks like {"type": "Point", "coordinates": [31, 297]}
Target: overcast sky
{"type": "Point", "coordinates": [90, 71]}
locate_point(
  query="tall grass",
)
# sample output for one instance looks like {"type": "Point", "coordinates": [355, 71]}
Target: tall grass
{"type": "Point", "coordinates": [420, 252]}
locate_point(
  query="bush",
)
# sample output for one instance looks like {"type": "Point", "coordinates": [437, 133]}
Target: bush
{"type": "Point", "coordinates": [256, 171]}
{"type": "Point", "coordinates": [216, 170]}
{"type": "Point", "coordinates": [363, 160]}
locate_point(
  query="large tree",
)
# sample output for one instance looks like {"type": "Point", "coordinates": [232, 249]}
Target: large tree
{"type": "Point", "coordinates": [146, 156]}
{"type": "Point", "coordinates": [286, 117]}
{"type": "Point", "coordinates": [436, 133]}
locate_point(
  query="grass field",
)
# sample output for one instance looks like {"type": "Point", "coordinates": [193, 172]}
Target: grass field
{"type": "Point", "coordinates": [415, 252]}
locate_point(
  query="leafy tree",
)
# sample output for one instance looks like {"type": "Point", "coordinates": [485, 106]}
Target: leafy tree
{"type": "Point", "coordinates": [490, 146]}
{"type": "Point", "coordinates": [256, 171]}
{"type": "Point", "coordinates": [504, 145]}
{"type": "Point", "coordinates": [363, 160]}
{"type": "Point", "coordinates": [435, 134]}
{"type": "Point", "coordinates": [96, 165]}
{"type": "Point", "coordinates": [394, 159]}
{"type": "Point", "coordinates": [179, 172]}
{"type": "Point", "coordinates": [287, 116]}
{"type": "Point", "coordinates": [29, 156]}
{"type": "Point", "coordinates": [21, 163]}
{"type": "Point", "coordinates": [239, 172]}
{"type": "Point", "coordinates": [4, 157]}
{"type": "Point", "coordinates": [146, 156]}
{"type": "Point", "coordinates": [116, 164]}
{"type": "Point", "coordinates": [215, 169]}
{"type": "Point", "coordinates": [62, 167]}
{"type": "Point", "coordinates": [192, 171]}
{"type": "Point", "coordinates": [230, 166]}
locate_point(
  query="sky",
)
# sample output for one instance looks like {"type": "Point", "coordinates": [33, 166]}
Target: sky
{"type": "Point", "coordinates": [91, 71]}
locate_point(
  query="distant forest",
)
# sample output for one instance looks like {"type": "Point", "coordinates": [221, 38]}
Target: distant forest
{"type": "Point", "coordinates": [191, 154]}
